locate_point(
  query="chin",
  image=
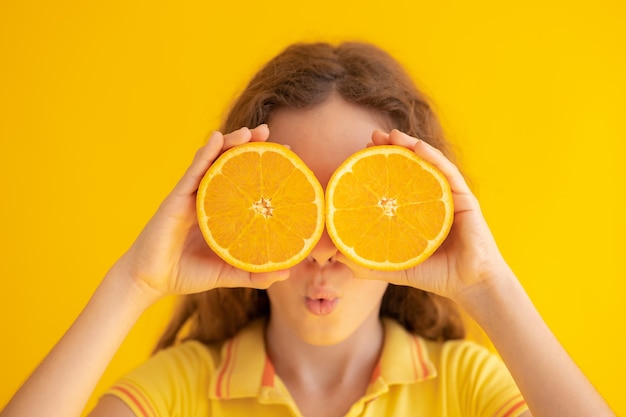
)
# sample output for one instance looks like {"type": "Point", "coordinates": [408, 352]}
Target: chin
{"type": "Point", "coordinates": [325, 335]}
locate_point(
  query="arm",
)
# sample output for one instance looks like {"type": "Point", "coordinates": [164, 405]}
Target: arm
{"type": "Point", "coordinates": [469, 269]}
{"type": "Point", "coordinates": [549, 380]}
{"type": "Point", "coordinates": [169, 257]}
{"type": "Point", "coordinates": [63, 382]}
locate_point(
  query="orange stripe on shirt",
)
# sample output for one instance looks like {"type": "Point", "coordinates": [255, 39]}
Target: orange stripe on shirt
{"type": "Point", "coordinates": [232, 367]}
{"type": "Point", "coordinates": [135, 398]}
{"type": "Point", "coordinates": [413, 360]}
{"type": "Point", "coordinates": [220, 377]}
{"type": "Point", "coordinates": [375, 373]}
{"type": "Point", "coordinates": [510, 406]}
{"type": "Point", "coordinates": [515, 407]}
{"type": "Point", "coordinates": [422, 361]}
{"type": "Point", "coordinates": [267, 380]}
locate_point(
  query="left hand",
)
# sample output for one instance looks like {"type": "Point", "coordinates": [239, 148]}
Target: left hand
{"type": "Point", "coordinates": [468, 259]}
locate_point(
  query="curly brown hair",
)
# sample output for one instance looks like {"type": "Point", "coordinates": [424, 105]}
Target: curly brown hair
{"type": "Point", "coordinates": [302, 76]}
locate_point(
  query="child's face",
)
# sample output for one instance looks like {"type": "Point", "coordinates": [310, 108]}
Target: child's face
{"type": "Point", "coordinates": [322, 302]}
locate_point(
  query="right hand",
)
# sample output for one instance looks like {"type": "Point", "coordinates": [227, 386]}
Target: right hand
{"type": "Point", "coordinates": [170, 256]}
{"type": "Point", "coordinates": [468, 262]}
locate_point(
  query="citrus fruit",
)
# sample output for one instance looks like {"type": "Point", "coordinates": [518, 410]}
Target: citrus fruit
{"type": "Point", "coordinates": [260, 208]}
{"type": "Point", "coordinates": [388, 209]}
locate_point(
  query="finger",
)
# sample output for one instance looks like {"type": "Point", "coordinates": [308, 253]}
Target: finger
{"type": "Point", "coordinates": [439, 160]}
{"type": "Point", "coordinates": [357, 270]}
{"type": "Point", "coordinates": [219, 142]}
{"type": "Point", "coordinates": [203, 159]}
{"type": "Point", "coordinates": [237, 137]}
{"type": "Point", "coordinates": [380, 138]}
{"type": "Point", "coordinates": [237, 278]}
{"type": "Point", "coordinates": [360, 271]}
{"type": "Point", "coordinates": [260, 133]}
{"type": "Point", "coordinates": [399, 138]}
{"type": "Point", "coordinates": [265, 279]}
{"type": "Point", "coordinates": [434, 156]}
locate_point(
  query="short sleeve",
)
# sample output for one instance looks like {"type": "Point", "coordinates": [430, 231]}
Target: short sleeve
{"type": "Point", "coordinates": [174, 382]}
{"type": "Point", "coordinates": [478, 382]}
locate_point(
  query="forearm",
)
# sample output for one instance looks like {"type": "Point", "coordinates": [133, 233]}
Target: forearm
{"type": "Point", "coordinates": [63, 382]}
{"type": "Point", "coordinates": [549, 380]}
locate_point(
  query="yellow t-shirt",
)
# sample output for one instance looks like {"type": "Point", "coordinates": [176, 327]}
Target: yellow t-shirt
{"type": "Point", "coordinates": [413, 377]}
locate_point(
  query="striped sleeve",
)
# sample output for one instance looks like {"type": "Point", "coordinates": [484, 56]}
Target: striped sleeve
{"type": "Point", "coordinates": [174, 382]}
{"type": "Point", "coordinates": [485, 386]}
{"type": "Point", "coordinates": [134, 398]}
{"type": "Point", "coordinates": [513, 407]}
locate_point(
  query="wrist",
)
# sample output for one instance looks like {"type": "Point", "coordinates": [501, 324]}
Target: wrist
{"type": "Point", "coordinates": [493, 293]}
{"type": "Point", "coordinates": [132, 288]}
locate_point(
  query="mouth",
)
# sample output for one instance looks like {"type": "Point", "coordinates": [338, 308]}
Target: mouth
{"type": "Point", "coordinates": [321, 306]}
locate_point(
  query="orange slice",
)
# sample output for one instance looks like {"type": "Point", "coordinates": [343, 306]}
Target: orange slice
{"type": "Point", "coordinates": [388, 209]}
{"type": "Point", "coordinates": [260, 208]}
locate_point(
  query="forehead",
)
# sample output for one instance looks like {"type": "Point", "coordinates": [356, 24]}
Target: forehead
{"type": "Point", "coordinates": [323, 136]}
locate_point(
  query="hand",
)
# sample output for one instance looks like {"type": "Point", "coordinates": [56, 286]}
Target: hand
{"type": "Point", "coordinates": [468, 258]}
{"type": "Point", "coordinates": [170, 256]}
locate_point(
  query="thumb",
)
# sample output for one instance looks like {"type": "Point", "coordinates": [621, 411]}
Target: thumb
{"type": "Point", "coordinates": [263, 280]}
{"type": "Point", "coordinates": [203, 159]}
{"type": "Point", "coordinates": [232, 277]}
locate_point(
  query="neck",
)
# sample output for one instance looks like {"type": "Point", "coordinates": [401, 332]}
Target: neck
{"type": "Point", "coordinates": [326, 367]}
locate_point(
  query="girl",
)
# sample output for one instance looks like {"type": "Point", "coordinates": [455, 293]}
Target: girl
{"type": "Point", "coordinates": [326, 337]}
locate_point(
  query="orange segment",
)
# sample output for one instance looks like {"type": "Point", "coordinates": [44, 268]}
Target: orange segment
{"type": "Point", "coordinates": [388, 209]}
{"type": "Point", "coordinates": [260, 208]}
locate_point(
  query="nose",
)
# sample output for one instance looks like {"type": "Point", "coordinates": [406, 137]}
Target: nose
{"type": "Point", "coordinates": [324, 252]}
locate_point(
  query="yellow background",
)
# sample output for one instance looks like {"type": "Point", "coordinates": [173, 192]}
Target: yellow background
{"type": "Point", "coordinates": [102, 105]}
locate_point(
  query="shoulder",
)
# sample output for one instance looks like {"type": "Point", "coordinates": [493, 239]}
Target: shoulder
{"type": "Point", "coordinates": [448, 359]}
{"type": "Point", "coordinates": [460, 376]}
{"type": "Point", "coordinates": [476, 377]}
{"type": "Point", "coordinates": [189, 355]}
{"type": "Point", "coordinates": [188, 360]}
{"type": "Point", "coordinates": [173, 378]}
{"type": "Point", "coordinates": [465, 353]}
{"type": "Point", "coordinates": [182, 380]}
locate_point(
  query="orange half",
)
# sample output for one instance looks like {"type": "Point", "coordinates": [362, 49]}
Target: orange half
{"type": "Point", "coordinates": [260, 208]}
{"type": "Point", "coordinates": [387, 208]}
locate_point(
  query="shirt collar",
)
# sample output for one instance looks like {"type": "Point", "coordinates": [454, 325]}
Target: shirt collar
{"type": "Point", "coordinates": [404, 358]}
{"type": "Point", "coordinates": [244, 369]}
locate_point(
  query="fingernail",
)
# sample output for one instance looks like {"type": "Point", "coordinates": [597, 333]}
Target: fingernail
{"type": "Point", "coordinates": [213, 135]}
{"type": "Point", "coordinates": [282, 274]}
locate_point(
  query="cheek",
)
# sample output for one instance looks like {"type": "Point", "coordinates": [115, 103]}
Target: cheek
{"type": "Point", "coordinates": [286, 297]}
{"type": "Point", "coordinates": [280, 292]}
{"type": "Point", "coordinates": [370, 292]}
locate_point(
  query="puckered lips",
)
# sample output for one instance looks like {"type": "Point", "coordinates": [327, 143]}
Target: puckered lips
{"type": "Point", "coordinates": [321, 301]}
